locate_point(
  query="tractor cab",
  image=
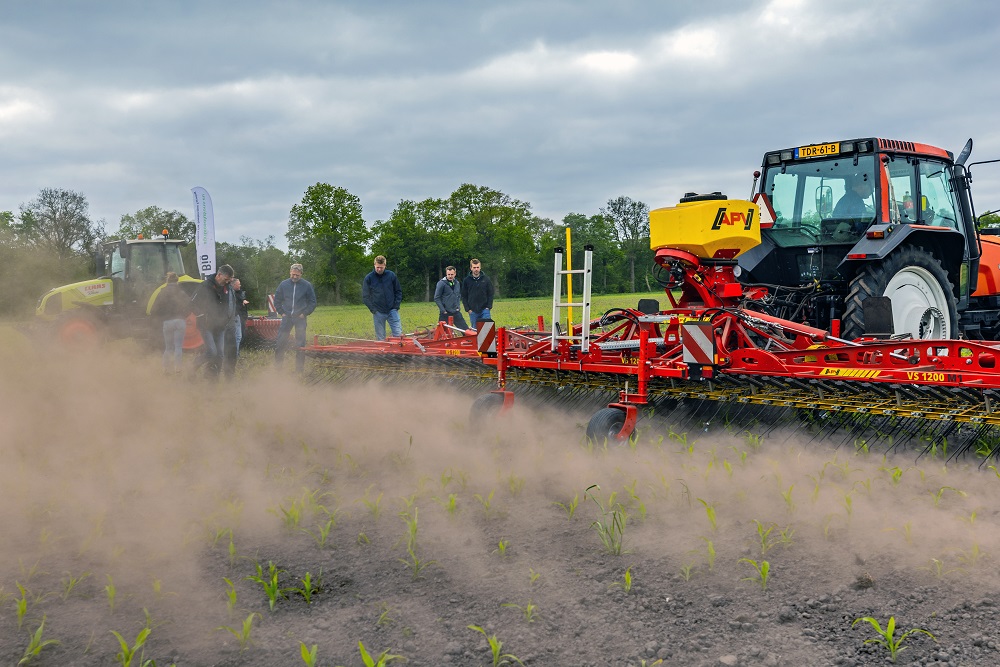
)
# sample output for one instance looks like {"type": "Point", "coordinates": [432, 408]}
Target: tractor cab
{"type": "Point", "coordinates": [137, 268]}
{"type": "Point", "coordinates": [841, 207]}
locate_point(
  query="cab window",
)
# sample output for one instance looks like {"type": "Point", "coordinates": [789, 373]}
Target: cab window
{"type": "Point", "coordinates": [937, 204]}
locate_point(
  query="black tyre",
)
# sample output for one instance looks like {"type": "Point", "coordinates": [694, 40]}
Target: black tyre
{"type": "Point", "coordinates": [605, 426]}
{"type": "Point", "coordinates": [923, 299]}
{"type": "Point", "coordinates": [485, 408]}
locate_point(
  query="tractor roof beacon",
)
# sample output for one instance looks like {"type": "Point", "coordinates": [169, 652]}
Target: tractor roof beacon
{"type": "Point", "coordinates": [868, 228]}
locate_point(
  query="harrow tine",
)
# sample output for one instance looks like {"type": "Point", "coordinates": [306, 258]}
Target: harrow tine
{"type": "Point", "coordinates": [940, 436]}
{"type": "Point", "coordinates": [971, 441]}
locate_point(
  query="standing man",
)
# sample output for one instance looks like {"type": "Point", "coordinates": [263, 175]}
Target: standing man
{"type": "Point", "coordinates": [294, 301]}
{"type": "Point", "coordinates": [448, 297]}
{"type": "Point", "coordinates": [215, 309]}
{"type": "Point", "coordinates": [477, 293]}
{"type": "Point", "coordinates": [382, 294]}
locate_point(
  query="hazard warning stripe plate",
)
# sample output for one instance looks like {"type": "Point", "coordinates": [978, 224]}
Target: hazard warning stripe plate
{"type": "Point", "coordinates": [486, 336]}
{"type": "Point", "coordinates": [698, 340]}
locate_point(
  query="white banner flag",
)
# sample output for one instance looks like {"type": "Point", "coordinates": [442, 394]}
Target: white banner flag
{"type": "Point", "coordinates": [204, 220]}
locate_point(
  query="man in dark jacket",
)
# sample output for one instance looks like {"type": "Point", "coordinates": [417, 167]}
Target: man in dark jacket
{"type": "Point", "coordinates": [215, 309]}
{"type": "Point", "coordinates": [448, 297]}
{"type": "Point", "coordinates": [294, 301]}
{"type": "Point", "coordinates": [382, 294]}
{"type": "Point", "coordinates": [477, 293]}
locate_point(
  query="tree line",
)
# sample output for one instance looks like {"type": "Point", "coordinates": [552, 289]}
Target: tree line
{"type": "Point", "coordinates": [52, 241]}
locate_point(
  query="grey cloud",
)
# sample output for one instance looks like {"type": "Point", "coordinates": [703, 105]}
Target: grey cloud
{"type": "Point", "coordinates": [135, 104]}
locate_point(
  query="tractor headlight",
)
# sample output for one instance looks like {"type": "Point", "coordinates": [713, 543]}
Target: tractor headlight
{"type": "Point", "coordinates": [737, 270]}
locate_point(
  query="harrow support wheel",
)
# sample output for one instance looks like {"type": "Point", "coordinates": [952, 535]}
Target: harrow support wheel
{"type": "Point", "coordinates": [612, 424]}
{"type": "Point", "coordinates": [923, 299]}
{"type": "Point", "coordinates": [489, 406]}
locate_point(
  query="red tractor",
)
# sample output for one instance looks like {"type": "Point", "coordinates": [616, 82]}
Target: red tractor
{"type": "Point", "coordinates": [877, 236]}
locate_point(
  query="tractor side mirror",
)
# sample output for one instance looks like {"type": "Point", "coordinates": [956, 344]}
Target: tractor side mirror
{"type": "Point", "coordinates": [99, 266]}
{"type": "Point", "coordinates": [824, 201]}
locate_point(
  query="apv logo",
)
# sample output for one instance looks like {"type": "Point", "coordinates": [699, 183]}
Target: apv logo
{"type": "Point", "coordinates": [722, 217]}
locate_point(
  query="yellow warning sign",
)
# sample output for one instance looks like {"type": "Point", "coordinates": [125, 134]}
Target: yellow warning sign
{"type": "Point", "coordinates": [851, 372]}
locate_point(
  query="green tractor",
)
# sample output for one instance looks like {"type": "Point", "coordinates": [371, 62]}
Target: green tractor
{"type": "Point", "coordinates": [117, 304]}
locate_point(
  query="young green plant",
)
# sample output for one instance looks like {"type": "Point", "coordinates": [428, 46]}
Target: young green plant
{"type": "Point", "coordinates": [496, 649]}
{"type": "Point", "coordinates": [569, 507]}
{"type": "Point", "coordinates": [886, 638]}
{"type": "Point", "coordinates": [36, 644]}
{"type": "Point", "coordinates": [383, 659]}
{"type": "Point", "coordinates": [762, 572]}
{"type": "Point", "coordinates": [268, 582]}
{"type": "Point", "coordinates": [307, 654]}
{"type": "Point", "coordinates": [127, 654]}
{"type": "Point", "coordinates": [243, 634]}
{"type": "Point", "coordinates": [611, 527]}
{"type": "Point", "coordinates": [626, 583]}
{"type": "Point", "coordinates": [529, 610]}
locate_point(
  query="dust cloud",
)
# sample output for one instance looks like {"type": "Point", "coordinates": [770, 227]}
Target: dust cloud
{"type": "Point", "coordinates": [114, 470]}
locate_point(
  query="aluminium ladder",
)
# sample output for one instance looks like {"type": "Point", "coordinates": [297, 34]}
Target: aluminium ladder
{"type": "Point", "coordinates": [583, 338]}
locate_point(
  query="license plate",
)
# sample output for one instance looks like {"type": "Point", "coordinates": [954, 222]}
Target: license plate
{"type": "Point", "coordinates": [818, 150]}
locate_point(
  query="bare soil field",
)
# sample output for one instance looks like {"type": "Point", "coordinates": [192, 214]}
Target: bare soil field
{"type": "Point", "coordinates": [379, 515]}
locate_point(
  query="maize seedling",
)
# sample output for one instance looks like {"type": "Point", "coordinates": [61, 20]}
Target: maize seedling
{"type": "Point", "coordinates": [374, 505]}
{"type": "Point", "coordinates": [308, 588]}
{"type": "Point", "coordinates": [502, 547]}
{"type": "Point", "coordinates": [496, 647]}
{"type": "Point", "coordinates": [710, 513]}
{"type": "Point", "coordinates": [127, 654]}
{"type": "Point", "coordinates": [611, 529]}
{"type": "Point", "coordinates": [243, 634]}
{"type": "Point", "coordinates": [415, 564]}
{"type": "Point", "coordinates": [71, 582]}
{"type": "Point", "coordinates": [570, 507]}
{"type": "Point", "coordinates": [308, 654]}
{"type": "Point", "coordinates": [230, 595]}
{"type": "Point", "coordinates": [529, 610]}
{"type": "Point", "coordinates": [36, 644]}
{"type": "Point", "coordinates": [111, 592]}
{"type": "Point", "coordinates": [763, 570]}
{"type": "Point", "coordinates": [886, 638]}
{"type": "Point", "coordinates": [268, 582]}
{"type": "Point", "coordinates": [322, 533]}
{"type": "Point", "coordinates": [383, 618]}
{"type": "Point", "coordinates": [626, 583]}
{"type": "Point", "coordinates": [384, 658]}
{"type": "Point", "coordinates": [21, 605]}
{"type": "Point", "coordinates": [709, 553]}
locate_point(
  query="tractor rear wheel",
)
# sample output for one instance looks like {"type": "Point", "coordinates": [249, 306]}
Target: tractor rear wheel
{"type": "Point", "coordinates": [605, 426]}
{"type": "Point", "coordinates": [923, 299]}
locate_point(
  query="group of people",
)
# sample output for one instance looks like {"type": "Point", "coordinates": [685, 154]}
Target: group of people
{"type": "Point", "coordinates": [383, 295]}
{"type": "Point", "coordinates": [220, 307]}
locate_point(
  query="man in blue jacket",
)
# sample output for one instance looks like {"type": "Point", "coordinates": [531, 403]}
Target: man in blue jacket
{"type": "Point", "coordinates": [382, 294]}
{"type": "Point", "coordinates": [294, 301]}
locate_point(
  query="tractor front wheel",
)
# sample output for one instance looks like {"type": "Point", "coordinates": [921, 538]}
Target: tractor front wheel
{"type": "Point", "coordinates": [923, 299]}
{"type": "Point", "coordinates": [605, 426]}
{"type": "Point", "coordinates": [79, 333]}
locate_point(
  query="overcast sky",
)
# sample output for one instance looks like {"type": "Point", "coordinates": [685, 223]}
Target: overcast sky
{"type": "Point", "coordinates": [560, 104]}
